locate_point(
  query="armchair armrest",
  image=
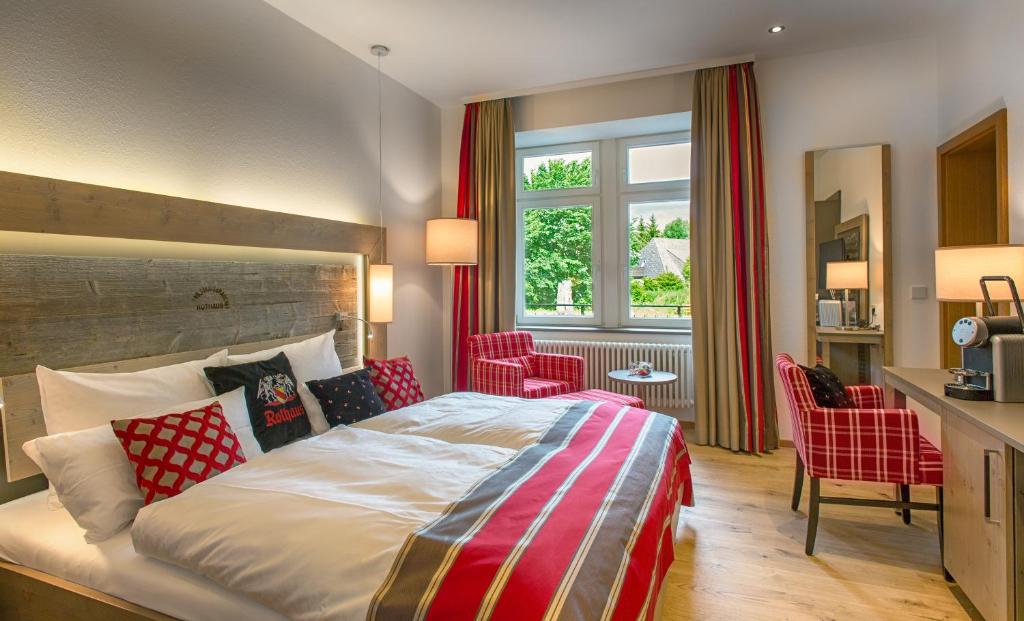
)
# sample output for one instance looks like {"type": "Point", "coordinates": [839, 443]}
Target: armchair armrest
{"type": "Point", "coordinates": [866, 397]}
{"type": "Point", "coordinates": [861, 444]}
{"type": "Point", "coordinates": [497, 377]}
{"type": "Point", "coordinates": [561, 367]}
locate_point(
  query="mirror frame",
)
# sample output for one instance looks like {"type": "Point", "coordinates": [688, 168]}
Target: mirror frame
{"type": "Point", "coordinates": [812, 264]}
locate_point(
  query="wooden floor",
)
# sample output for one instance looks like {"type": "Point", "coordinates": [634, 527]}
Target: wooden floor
{"type": "Point", "coordinates": [742, 553]}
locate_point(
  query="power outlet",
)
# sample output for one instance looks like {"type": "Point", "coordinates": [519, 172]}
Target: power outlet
{"type": "Point", "coordinates": [918, 292]}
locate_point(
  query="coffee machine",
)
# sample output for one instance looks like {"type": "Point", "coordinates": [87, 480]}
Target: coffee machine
{"type": "Point", "coordinates": [993, 352]}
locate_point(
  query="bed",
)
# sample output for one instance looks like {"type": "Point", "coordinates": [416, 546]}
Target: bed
{"type": "Point", "coordinates": [422, 475]}
{"type": "Point", "coordinates": [413, 507]}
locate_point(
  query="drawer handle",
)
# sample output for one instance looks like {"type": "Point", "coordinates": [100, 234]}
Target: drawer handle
{"type": "Point", "coordinates": [988, 485]}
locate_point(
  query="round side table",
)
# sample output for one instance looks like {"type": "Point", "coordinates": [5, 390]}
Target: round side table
{"type": "Point", "coordinates": [656, 378]}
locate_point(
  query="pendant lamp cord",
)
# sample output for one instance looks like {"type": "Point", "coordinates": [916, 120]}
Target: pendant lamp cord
{"type": "Point", "coordinates": [380, 156]}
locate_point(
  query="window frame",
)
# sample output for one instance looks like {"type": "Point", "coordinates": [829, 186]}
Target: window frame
{"type": "Point", "coordinates": [560, 202]}
{"type": "Point", "coordinates": [608, 248]}
{"type": "Point", "coordinates": [560, 149]}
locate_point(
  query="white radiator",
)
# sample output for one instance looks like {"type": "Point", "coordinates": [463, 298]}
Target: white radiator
{"type": "Point", "coordinates": [603, 356]}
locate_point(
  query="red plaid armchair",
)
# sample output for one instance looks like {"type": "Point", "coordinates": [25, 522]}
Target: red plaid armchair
{"type": "Point", "coordinates": [505, 364]}
{"type": "Point", "coordinates": [866, 443]}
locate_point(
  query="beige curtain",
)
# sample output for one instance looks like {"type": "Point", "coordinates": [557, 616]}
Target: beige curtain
{"type": "Point", "coordinates": [483, 295]}
{"type": "Point", "coordinates": [735, 404]}
{"type": "Point", "coordinates": [494, 173]}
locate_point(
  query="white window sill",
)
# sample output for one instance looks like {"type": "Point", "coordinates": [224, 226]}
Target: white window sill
{"type": "Point", "coordinates": [600, 330]}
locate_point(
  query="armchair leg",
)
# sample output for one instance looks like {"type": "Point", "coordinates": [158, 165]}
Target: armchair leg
{"type": "Point", "coordinates": [798, 483]}
{"type": "Point", "coordinates": [812, 516]}
{"type": "Point", "coordinates": [905, 497]}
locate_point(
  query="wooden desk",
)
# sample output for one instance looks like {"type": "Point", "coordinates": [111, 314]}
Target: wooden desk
{"type": "Point", "coordinates": [874, 339]}
{"type": "Point", "coordinates": [983, 487]}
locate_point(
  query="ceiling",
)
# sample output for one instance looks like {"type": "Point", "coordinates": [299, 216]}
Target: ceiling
{"type": "Point", "coordinates": [450, 50]}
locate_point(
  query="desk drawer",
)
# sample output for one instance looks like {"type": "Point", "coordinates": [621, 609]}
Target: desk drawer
{"type": "Point", "coordinates": [978, 516]}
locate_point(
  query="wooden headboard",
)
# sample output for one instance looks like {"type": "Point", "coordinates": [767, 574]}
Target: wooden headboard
{"type": "Point", "coordinates": [121, 314]}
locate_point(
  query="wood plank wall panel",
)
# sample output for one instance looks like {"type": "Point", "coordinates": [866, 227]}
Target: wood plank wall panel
{"type": "Point", "coordinates": [71, 311]}
{"type": "Point", "coordinates": [43, 205]}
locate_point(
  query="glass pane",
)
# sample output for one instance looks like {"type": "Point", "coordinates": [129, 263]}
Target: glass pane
{"type": "Point", "coordinates": [663, 162]}
{"type": "Point", "coordinates": [557, 172]}
{"type": "Point", "coordinates": [659, 260]}
{"type": "Point", "coordinates": [557, 267]}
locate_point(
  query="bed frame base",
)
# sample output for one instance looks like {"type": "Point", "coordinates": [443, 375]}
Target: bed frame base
{"type": "Point", "coordinates": [31, 595]}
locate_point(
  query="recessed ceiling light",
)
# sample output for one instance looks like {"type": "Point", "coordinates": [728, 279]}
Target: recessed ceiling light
{"type": "Point", "coordinates": [776, 29]}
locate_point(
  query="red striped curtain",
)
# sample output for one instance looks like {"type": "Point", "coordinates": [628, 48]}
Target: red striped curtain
{"type": "Point", "coordinates": [735, 403]}
{"type": "Point", "coordinates": [483, 294]}
{"type": "Point", "coordinates": [465, 314]}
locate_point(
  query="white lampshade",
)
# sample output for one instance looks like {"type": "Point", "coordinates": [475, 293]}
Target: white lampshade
{"type": "Point", "coordinates": [451, 241]}
{"type": "Point", "coordinates": [846, 275]}
{"type": "Point", "coordinates": [382, 293]}
{"type": "Point", "coordinates": [958, 270]}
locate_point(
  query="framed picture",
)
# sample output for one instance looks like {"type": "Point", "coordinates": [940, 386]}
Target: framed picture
{"type": "Point", "coordinates": [854, 233]}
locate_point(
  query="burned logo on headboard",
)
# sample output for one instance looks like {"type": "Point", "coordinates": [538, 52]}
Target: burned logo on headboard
{"type": "Point", "coordinates": [211, 298]}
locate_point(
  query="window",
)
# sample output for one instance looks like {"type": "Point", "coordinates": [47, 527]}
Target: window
{"type": "Point", "coordinates": [557, 172]}
{"type": "Point", "coordinates": [580, 265]}
{"type": "Point", "coordinates": [653, 163]}
{"type": "Point", "coordinates": [659, 259]}
{"type": "Point", "coordinates": [564, 170]}
{"type": "Point", "coordinates": [558, 267]}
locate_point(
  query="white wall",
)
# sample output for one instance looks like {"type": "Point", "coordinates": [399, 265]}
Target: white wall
{"type": "Point", "coordinates": [873, 94]}
{"type": "Point", "coordinates": [615, 101]}
{"type": "Point", "coordinates": [857, 173]}
{"type": "Point", "coordinates": [979, 72]}
{"type": "Point", "coordinates": [231, 102]}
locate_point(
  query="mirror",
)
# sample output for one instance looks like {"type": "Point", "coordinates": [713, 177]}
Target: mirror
{"type": "Point", "coordinates": [849, 276]}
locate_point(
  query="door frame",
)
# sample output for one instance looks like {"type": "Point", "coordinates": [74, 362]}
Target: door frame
{"type": "Point", "coordinates": [995, 124]}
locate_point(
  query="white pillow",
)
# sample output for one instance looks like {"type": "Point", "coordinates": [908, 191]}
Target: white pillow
{"type": "Point", "coordinates": [93, 477]}
{"type": "Point", "coordinates": [311, 359]}
{"type": "Point", "coordinates": [72, 401]}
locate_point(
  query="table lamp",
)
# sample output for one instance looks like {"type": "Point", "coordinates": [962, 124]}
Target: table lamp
{"type": "Point", "coordinates": [846, 275]}
{"type": "Point", "coordinates": [959, 270]}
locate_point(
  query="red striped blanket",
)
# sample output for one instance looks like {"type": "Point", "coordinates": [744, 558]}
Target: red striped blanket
{"type": "Point", "coordinates": [578, 526]}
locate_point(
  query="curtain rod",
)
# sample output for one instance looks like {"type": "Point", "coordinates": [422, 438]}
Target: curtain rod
{"type": "Point", "coordinates": [610, 79]}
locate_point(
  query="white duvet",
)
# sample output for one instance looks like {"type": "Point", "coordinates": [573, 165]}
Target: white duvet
{"type": "Point", "coordinates": [312, 529]}
{"type": "Point", "coordinates": [474, 418]}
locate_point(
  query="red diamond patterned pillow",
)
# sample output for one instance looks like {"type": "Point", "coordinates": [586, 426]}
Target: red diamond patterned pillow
{"type": "Point", "coordinates": [395, 382]}
{"type": "Point", "coordinates": [171, 453]}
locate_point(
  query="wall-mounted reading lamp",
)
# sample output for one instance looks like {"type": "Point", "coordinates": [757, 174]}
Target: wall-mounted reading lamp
{"type": "Point", "coordinates": [369, 328]}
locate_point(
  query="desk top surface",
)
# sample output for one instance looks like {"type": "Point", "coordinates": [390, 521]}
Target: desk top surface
{"type": "Point", "coordinates": [1003, 420]}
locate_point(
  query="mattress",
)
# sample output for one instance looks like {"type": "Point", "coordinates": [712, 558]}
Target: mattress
{"type": "Point", "coordinates": [49, 540]}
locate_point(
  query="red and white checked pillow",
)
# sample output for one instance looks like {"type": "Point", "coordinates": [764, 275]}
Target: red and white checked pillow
{"type": "Point", "coordinates": [171, 453]}
{"type": "Point", "coordinates": [395, 382]}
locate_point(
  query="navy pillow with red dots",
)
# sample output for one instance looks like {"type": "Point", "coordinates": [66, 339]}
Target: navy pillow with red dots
{"type": "Point", "coordinates": [828, 391]}
{"type": "Point", "coordinates": [348, 398]}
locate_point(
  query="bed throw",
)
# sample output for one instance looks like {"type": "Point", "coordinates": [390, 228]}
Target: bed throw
{"type": "Point", "coordinates": [359, 524]}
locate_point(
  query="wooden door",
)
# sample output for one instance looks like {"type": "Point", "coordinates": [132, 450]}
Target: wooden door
{"type": "Point", "coordinates": [978, 549]}
{"type": "Point", "coordinates": [973, 206]}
